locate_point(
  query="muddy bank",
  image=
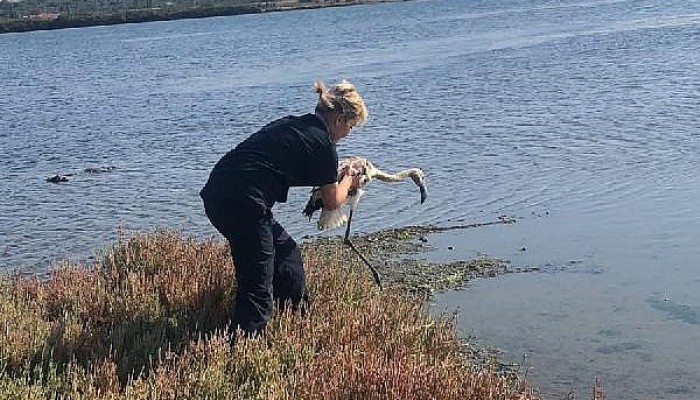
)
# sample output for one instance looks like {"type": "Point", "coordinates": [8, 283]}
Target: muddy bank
{"type": "Point", "coordinates": [396, 255]}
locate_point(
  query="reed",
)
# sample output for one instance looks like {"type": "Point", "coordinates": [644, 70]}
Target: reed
{"type": "Point", "coordinates": [148, 321]}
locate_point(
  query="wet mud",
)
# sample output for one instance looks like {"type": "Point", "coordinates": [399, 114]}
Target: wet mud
{"type": "Point", "coordinates": [396, 255]}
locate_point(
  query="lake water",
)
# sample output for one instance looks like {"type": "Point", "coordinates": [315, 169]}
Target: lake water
{"type": "Point", "coordinates": [577, 118]}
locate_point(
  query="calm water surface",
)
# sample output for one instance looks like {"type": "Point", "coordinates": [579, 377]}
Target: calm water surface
{"type": "Point", "coordinates": [578, 118]}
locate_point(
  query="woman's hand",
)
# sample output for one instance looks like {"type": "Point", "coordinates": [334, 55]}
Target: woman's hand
{"type": "Point", "coordinates": [334, 194]}
{"type": "Point", "coordinates": [356, 180]}
{"type": "Point", "coordinates": [354, 174]}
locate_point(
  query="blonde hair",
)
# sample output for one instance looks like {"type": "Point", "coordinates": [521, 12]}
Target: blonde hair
{"type": "Point", "coordinates": [344, 98]}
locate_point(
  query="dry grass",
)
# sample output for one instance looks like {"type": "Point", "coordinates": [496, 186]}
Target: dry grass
{"type": "Point", "coordinates": [146, 322]}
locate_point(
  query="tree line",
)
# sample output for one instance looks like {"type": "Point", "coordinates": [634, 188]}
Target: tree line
{"type": "Point", "coordinates": [20, 9]}
{"type": "Point", "coordinates": [26, 15]}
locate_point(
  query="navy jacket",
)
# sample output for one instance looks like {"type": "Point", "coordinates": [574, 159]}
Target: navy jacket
{"type": "Point", "coordinates": [291, 151]}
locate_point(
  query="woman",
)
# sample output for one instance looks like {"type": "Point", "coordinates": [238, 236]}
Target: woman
{"type": "Point", "coordinates": [251, 178]}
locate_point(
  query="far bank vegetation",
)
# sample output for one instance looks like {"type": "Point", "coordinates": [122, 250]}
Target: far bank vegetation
{"type": "Point", "coordinates": [27, 15]}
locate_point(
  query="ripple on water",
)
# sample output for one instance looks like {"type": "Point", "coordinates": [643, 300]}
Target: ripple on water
{"type": "Point", "coordinates": [578, 118]}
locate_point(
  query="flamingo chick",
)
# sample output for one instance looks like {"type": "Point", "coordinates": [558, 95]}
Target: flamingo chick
{"type": "Point", "coordinates": [330, 219]}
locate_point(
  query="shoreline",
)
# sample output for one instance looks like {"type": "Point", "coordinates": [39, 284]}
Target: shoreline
{"type": "Point", "coordinates": [152, 315]}
{"type": "Point", "coordinates": [159, 14]}
{"type": "Point", "coordinates": [396, 255]}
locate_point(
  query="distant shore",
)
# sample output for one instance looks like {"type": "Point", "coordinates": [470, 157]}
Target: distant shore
{"type": "Point", "coordinates": [59, 21]}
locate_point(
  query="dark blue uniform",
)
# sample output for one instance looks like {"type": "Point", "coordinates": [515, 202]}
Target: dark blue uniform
{"type": "Point", "coordinates": [238, 199]}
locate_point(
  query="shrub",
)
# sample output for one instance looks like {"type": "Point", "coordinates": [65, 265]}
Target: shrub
{"type": "Point", "coordinates": [148, 321]}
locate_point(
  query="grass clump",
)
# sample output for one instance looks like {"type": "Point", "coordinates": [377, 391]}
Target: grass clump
{"type": "Point", "coordinates": [148, 321]}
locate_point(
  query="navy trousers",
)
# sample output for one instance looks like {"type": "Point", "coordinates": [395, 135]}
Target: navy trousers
{"type": "Point", "coordinates": [268, 263]}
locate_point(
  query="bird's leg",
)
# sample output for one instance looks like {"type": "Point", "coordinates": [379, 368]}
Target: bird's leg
{"type": "Point", "coordinates": [375, 274]}
{"type": "Point", "coordinates": [348, 242]}
{"type": "Point", "coordinates": [346, 239]}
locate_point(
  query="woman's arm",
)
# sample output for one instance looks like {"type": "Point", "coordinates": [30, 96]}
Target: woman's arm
{"type": "Point", "coordinates": [334, 194]}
